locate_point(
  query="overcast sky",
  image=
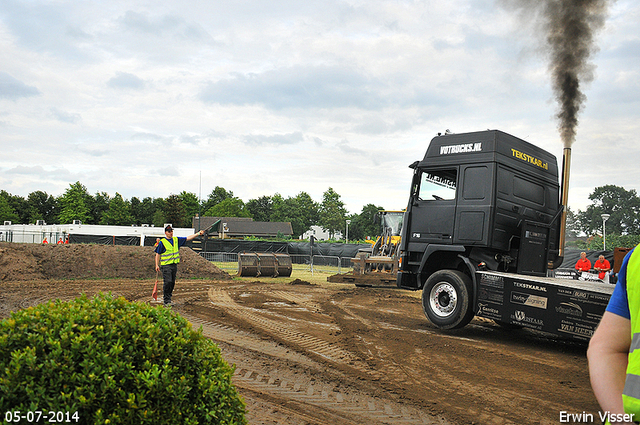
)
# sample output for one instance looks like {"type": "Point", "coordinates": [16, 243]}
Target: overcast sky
{"type": "Point", "coordinates": [151, 98]}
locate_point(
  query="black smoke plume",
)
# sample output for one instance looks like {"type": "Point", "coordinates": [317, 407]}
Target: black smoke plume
{"type": "Point", "coordinates": [569, 27]}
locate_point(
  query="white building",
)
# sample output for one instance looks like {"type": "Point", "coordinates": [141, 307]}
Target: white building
{"type": "Point", "coordinates": [320, 234]}
{"type": "Point", "coordinates": [36, 233]}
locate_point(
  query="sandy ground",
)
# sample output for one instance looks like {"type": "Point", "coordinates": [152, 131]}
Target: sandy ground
{"type": "Point", "coordinates": [318, 354]}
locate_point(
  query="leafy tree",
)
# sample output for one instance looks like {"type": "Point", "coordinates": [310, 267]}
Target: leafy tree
{"type": "Point", "coordinates": [119, 212]}
{"type": "Point", "coordinates": [596, 242]}
{"type": "Point", "coordinates": [260, 209]}
{"type": "Point", "coordinates": [191, 203]}
{"type": "Point", "coordinates": [73, 204]}
{"type": "Point", "coordinates": [174, 212]}
{"type": "Point", "coordinates": [622, 205]}
{"type": "Point", "coordinates": [43, 207]}
{"type": "Point", "coordinates": [332, 212]}
{"type": "Point", "coordinates": [6, 211]}
{"type": "Point", "coordinates": [216, 196]}
{"type": "Point", "coordinates": [309, 210]}
{"type": "Point", "coordinates": [143, 211]}
{"type": "Point", "coordinates": [98, 205]}
{"type": "Point", "coordinates": [20, 206]}
{"type": "Point", "coordinates": [364, 224]}
{"type": "Point", "coordinates": [573, 227]}
{"type": "Point", "coordinates": [301, 211]}
{"type": "Point", "coordinates": [136, 210]}
{"type": "Point", "coordinates": [230, 207]}
{"type": "Point", "coordinates": [158, 217]}
{"type": "Point", "coordinates": [285, 210]}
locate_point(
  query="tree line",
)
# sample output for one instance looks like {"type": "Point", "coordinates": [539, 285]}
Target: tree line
{"type": "Point", "coordinates": [76, 203]}
{"type": "Point", "coordinates": [622, 227]}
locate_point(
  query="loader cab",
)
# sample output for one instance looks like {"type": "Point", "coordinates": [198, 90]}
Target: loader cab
{"type": "Point", "coordinates": [391, 220]}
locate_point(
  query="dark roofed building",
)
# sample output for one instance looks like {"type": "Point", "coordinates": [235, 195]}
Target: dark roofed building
{"type": "Point", "coordinates": [239, 227]}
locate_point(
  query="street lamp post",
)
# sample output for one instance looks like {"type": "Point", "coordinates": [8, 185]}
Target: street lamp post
{"type": "Point", "coordinates": [348, 223]}
{"type": "Point", "coordinates": [605, 217]}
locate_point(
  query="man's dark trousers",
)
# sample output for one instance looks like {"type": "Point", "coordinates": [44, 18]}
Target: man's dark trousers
{"type": "Point", "coordinates": [169, 277]}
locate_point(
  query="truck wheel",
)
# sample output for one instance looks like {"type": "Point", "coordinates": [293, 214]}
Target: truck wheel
{"type": "Point", "coordinates": [446, 299]}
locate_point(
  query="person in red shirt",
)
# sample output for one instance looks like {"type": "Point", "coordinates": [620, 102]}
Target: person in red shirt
{"type": "Point", "coordinates": [602, 266]}
{"type": "Point", "coordinates": [583, 264]}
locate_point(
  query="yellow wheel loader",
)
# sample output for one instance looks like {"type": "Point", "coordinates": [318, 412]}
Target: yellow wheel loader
{"type": "Point", "coordinates": [377, 265]}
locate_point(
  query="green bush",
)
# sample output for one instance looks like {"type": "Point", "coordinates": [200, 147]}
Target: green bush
{"type": "Point", "coordinates": [596, 242]}
{"type": "Point", "coordinates": [113, 362]}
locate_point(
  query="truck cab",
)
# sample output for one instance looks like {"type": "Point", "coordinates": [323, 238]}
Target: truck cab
{"type": "Point", "coordinates": [478, 201]}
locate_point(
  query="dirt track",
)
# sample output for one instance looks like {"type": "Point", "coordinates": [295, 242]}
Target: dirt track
{"type": "Point", "coordinates": [317, 354]}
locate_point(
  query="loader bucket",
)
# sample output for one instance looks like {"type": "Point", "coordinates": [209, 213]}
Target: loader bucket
{"type": "Point", "coordinates": [264, 264]}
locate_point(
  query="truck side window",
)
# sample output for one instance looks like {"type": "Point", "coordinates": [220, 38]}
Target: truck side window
{"type": "Point", "coordinates": [438, 185]}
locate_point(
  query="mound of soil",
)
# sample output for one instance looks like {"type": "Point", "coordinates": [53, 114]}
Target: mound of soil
{"type": "Point", "coordinates": [299, 282]}
{"type": "Point", "coordinates": [20, 262]}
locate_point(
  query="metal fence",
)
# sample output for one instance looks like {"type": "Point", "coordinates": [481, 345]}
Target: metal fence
{"type": "Point", "coordinates": [228, 261]}
{"type": "Point", "coordinates": [31, 236]}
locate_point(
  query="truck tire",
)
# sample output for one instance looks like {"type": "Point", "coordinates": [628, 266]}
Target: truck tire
{"type": "Point", "coordinates": [446, 299]}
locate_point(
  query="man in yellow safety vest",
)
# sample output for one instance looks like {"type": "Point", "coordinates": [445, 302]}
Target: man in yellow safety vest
{"type": "Point", "coordinates": [167, 259]}
{"type": "Point", "coordinates": [614, 349]}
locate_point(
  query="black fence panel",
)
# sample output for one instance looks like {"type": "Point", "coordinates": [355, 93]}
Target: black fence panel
{"type": "Point", "coordinates": [236, 245]}
{"type": "Point", "coordinates": [328, 249]}
{"type": "Point", "coordinates": [104, 240]}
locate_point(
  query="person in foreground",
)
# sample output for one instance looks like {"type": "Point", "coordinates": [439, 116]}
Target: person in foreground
{"type": "Point", "coordinates": [614, 349]}
{"type": "Point", "coordinates": [167, 259]}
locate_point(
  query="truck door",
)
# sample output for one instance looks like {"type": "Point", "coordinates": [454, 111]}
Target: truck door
{"type": "Point", "coordinates": [434, 206]}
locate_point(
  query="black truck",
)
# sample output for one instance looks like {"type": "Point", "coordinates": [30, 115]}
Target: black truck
{"type": "Point", "coordinates": [483, 230]}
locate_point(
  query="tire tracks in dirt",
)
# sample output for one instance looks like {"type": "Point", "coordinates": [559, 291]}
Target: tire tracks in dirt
{"type": "Point", "coordinates": [305, 386]}
{"type": "Point", "coordinates": [441, 373]}
{"type": "Point", "coordinates": [316, 354]}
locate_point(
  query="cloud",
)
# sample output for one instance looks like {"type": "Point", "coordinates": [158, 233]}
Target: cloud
{"type": "Point", "coordinates": [346, 148]}
{"type": "Point", "coordinates": [13, 89]}
{"type": "Point", "coordinates": [191, 139]}
{"type": "Point", "coordinates": [305, 95]}
{"type": "Point", "coordinates": [125, 80]}
{"type": "Point", "coordinates": [169, 172]}
{"type": "Point", "coordinates": [66, 117]}
{"type": "Point", "coordinates": [166, 24]}
{"type": "Point", "coordinates": [150, 137]}
{"type": "Point", "coordinates": [45, 27]}
{"type": "Point", "coordinates": [276, 139]}
{"type": "Point", "coordinates": [302, 86]}
{"type": "Point", "coordinates": [94, 150]}
{"type": "Point", "coordinates": [38, 171]}
{"type": "Point", "coordinates": [380, 125]}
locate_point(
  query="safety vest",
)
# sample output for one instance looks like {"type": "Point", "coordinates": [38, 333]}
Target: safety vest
{"type": "Point", "coordinates": [171, 253]}
{"type": "Point", "coordinates": [631, 392]}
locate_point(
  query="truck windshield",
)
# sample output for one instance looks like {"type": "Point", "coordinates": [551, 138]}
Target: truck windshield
{"type": "Point", "coordinates": [438, 185]}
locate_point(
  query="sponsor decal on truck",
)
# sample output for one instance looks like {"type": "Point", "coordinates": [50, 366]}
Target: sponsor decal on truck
{"type": "Point", "coordinates": [463, 148]}
{"type": "Point", "coordinates": [530, 159]}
